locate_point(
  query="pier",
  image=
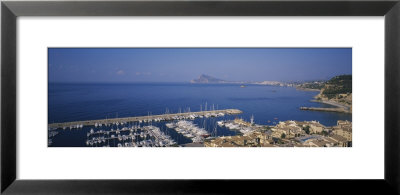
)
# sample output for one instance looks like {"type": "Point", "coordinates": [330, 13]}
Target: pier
{"type": "Point", "coordinates": [326, 109]}
{"type": "Point", "coordinates": [162, 117]}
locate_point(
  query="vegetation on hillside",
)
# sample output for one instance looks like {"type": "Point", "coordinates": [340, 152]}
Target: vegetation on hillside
{"type": "Point", "coordinates": [337, 85]}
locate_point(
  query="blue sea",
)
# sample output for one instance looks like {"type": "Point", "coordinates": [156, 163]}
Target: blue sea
{"type": "Point", "coordinates": [268, 105]}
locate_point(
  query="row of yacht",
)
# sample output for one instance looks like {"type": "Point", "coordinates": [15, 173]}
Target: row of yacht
{"type": "Point", "coordinates": [117, 131]}
{"type": "Point", "coordinates": [189, 130]}
{"type": "Point", "coordinates": [236, 127]}
{"type": "Point", "coordinates": [183, 117]}
{"type": "Point", "coordinates": [160, 138]}
{"type": "Point", "coordinates": [135, 136]}
{"type": "Point", "coordinates": [71, 127]}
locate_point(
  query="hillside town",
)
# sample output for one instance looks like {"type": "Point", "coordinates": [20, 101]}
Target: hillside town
{"type": "Point", "coordinates": [284, 134]}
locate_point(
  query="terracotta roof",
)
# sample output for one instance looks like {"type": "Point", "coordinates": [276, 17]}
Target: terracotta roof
{"type": "Point", "coordinates": [338, 138]}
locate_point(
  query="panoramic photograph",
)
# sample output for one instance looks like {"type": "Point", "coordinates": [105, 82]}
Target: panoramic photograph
{"type": "Point", "coordinates": [199, 97]}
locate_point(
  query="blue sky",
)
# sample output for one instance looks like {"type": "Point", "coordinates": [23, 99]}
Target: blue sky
{"type": "Point", "coordinates": [184, 64]}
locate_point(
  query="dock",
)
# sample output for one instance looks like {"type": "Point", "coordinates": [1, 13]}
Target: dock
{"type": "Point", "coordinates": [162, 117]}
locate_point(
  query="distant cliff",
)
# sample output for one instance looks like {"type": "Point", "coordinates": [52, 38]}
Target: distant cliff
{"type": "Point", "coordinates": [207, 79]}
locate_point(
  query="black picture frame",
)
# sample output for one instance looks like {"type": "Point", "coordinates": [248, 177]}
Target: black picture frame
{"type": "Point", "coordinates": [11, 10]}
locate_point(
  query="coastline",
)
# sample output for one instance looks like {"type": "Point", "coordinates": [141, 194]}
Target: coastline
{"type": "Point", "coordinates": [129, 129]}
{"type": "Point", "coordinates": [337, 104]}
{"type": "Point", "coordinates": [306, 89]}
{"type": "Point", "coordinates": [339, 107]}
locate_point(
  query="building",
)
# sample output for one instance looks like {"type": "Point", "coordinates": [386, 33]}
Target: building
{"type": "Point", "coordinates": [295, 128]}
{"type": "Point", "coordinates": [344, 129]}
{"type": "Point", "coordinates": [340, 141]}
{"type": "Point", "coordinates": [316, 127]}
{"type": "Point", "coordinates": [255, 139]}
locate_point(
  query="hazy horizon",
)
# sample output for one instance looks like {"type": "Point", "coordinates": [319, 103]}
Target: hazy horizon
{"type": "Point", "coordinates": [180, 65]}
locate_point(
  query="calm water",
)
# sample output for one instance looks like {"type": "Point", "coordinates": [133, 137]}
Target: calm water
{"type": "Point", "coordinates": [72, 102]}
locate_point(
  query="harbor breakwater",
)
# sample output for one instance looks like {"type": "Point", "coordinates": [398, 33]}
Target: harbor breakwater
{"type": "Point", "coordinates": [162, 117]}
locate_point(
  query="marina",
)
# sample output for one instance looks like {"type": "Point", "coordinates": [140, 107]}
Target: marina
{"type": "Point", "coordinates": [136, 136]}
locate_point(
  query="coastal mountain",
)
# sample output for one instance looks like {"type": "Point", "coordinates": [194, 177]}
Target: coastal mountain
{"type": "Point", "coordinates": [207, 79]}
{"type": "Point", "coordinates": [337, 92]}
{"type": "Point", "coordinates": [338, 89]}
{"type": "Point", "coordinates": [337, 86]}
